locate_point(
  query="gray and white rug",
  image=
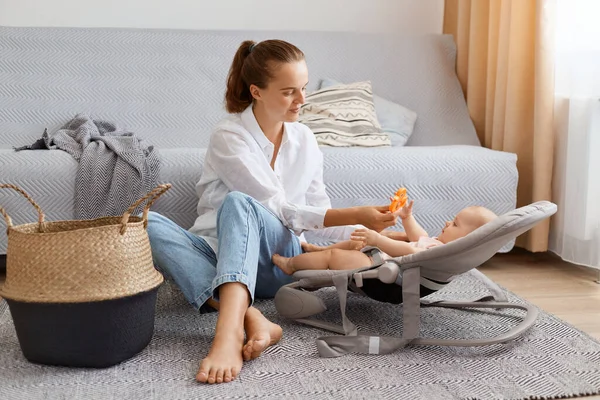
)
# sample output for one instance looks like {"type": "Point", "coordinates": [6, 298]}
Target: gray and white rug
{"type": "Point", "coordinates": [553, 360]}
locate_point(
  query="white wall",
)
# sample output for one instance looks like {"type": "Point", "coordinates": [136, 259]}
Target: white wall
{"type": "Point", "coordinates": [401, 16]}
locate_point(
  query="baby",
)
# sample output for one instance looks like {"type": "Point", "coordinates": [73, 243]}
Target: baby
{"type": "Point", "coordinates": [347, 255]}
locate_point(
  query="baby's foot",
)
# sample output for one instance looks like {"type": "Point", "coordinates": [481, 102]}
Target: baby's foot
{"type": "Point", "coordinates": [224, 360]}
{"type": "Point", "coordinates": [284, 263]}
{"type": "Point", "coordinates": [261, 333]}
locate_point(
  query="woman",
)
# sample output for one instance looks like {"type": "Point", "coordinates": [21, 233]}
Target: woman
{"type": "Point", "coordinates": [261, 186]}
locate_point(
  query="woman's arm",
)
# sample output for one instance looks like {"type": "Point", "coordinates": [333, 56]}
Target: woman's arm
{"type": "Point", "coordinates": [343, 221]}
{"type": "Point", "coordinates": [377, 218]}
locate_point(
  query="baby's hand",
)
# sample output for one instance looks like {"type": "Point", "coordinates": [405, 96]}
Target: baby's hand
{"type": "Point", "coordinates": [406, 211]}
{"type": "Point", "coordinates": [357, 244]}
{"type": "Point", "coordinates": [367, 236]}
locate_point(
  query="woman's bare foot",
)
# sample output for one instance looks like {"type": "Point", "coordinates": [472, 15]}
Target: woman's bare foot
{"type": "Point", "coordinates": [261, 333]}
{"type": "Point", "coordinates": [284, 263]}
{"type": "Point", "coordinates": [224, 360]}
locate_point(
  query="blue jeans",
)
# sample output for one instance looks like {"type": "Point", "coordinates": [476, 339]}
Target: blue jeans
{"type": "Point", "coordinates": [249, 235]}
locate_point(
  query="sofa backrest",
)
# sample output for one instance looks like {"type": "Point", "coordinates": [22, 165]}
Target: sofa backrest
{"type": "Point", "coordinates": [168, 85]}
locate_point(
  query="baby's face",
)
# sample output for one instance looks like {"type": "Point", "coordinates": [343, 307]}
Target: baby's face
{"type": "Point", "coordinates": [465, 222]}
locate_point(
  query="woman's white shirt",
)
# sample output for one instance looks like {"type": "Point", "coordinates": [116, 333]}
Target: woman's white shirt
{"type": "Point", "coordinates": [239, 159]}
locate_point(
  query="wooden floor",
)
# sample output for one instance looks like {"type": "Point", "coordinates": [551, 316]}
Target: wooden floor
{"type": "Point", "coordinates": [567, 291]}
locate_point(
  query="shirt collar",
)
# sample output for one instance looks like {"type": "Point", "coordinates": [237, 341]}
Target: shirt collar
{"type": "Point", "coordinates": [250, 122]}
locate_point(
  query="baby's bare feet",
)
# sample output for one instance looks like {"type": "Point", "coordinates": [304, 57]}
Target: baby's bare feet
{"type": "Point", "coordinates": [283, 263]}
{"type": "Point", "coordinates": [224, 360]}
{"type": "Point", "coordinates": [261, 333]}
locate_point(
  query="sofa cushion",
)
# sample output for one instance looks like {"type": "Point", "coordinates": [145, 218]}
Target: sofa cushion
{"type": "Point", "coordinates": [344, 115]}
{"type": "Point", "coordinates": [395, 120]}
{"type": "Point", "coordinates": [168, 85]}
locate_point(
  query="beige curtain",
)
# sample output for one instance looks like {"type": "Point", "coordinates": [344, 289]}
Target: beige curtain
{"type": "Point", "coordinates": [506, 68]}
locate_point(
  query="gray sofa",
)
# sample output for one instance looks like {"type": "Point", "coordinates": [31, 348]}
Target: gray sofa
{"type": "Point", "coordinates": [167, 86]}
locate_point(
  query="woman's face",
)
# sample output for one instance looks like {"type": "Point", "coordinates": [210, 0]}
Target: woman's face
{"type": "Point", "coordinates": [285, 93]}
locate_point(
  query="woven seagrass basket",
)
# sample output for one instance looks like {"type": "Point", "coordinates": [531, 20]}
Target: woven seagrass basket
{"type": "Point", "coordinates": [82, 293]}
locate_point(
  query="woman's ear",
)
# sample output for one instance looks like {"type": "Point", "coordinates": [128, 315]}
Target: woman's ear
{"type": "Point", "coordinates": [255, 92]}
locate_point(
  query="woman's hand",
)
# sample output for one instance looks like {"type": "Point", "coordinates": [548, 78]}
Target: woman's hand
{"type": "Point", "coordinates": [376, 218]}
{"type": "Point", "coordinates": [367, 236]}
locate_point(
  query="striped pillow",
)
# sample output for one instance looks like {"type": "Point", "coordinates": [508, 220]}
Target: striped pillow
{"type": "Point", "coordinates": [344, 115]}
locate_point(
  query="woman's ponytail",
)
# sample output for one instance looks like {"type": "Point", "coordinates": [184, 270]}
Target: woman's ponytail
{"type": "Point", "coordinates": [237, 96]}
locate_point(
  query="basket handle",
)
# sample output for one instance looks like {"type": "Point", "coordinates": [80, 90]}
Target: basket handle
{"type": "Point", "coordinates": [151, 196]}
{"type": "Point", "coordinates": [9, 224]}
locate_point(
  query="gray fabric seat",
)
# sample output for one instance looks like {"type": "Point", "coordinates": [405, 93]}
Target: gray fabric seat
{"type": "Point", "coordinates": [405, 280]}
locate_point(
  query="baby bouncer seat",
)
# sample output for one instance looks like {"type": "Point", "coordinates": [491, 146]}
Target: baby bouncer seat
{"type": "Point", "coordinates": [405, 280]}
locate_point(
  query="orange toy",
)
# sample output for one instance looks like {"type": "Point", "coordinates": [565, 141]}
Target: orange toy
{"type": "Point", "coordinates": [399, 200]}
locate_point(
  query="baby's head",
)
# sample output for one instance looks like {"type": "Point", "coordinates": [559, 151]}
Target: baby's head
{"type": "Point", "coordinates": [465, 222]}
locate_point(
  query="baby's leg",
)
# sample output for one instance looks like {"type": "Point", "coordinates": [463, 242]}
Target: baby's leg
{"type": "Point", "coordinates": [337, 259]}
{"type": "Point", "coordinates": [345, 245]}
{"type": "Point", "coordinates": [348, 259]}
{"type": "Point", "coordinates": [314, 260]}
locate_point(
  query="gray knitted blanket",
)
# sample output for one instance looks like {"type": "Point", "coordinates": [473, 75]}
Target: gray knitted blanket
{"type": "Point", "coordinates": [115, 166]}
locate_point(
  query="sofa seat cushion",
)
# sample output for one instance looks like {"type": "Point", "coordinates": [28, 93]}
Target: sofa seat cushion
{"type": "Point", "coordinates": [442, 180]}
{"type": "Point", "coordinates": [48, 176]}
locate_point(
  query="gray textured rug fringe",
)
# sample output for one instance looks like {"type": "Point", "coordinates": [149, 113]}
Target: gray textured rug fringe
{"type": "Point", "coordinates": [553, 360]}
